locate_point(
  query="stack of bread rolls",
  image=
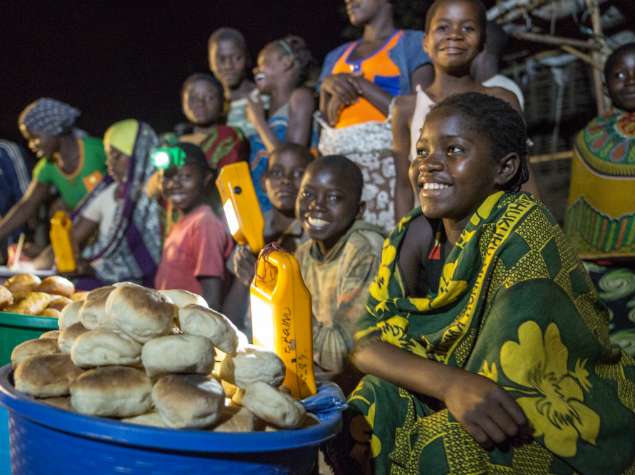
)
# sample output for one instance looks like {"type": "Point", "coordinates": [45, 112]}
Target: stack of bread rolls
{"type": "Point", "coordinates": [157, 358]}
{"type": "Point", "coordinates": [27, 294]}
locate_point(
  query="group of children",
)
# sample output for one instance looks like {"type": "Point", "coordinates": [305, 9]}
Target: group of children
{"type": "Point", "coordinates": [436, 304]}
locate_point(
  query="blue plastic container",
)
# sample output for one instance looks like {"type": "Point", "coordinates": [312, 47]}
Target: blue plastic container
{"type": "Point", "coordinates": [47, 440]}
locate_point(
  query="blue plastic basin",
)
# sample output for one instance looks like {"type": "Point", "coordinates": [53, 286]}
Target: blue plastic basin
{"type": "Point", "coordinates": [47, 440]}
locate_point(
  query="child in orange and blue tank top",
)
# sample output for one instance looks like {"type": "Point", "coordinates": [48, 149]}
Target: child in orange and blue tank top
{"type": "Point", "coordinates": [358, 84]}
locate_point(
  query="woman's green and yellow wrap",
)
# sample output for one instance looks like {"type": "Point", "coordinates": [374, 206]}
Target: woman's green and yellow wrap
{"type": "Point", "coordinates": [514, 305]}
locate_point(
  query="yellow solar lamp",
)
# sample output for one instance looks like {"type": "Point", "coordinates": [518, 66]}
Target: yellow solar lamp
{"type": "Point", "coordinates": [281, 318]}
{"type": "Point", "coordinates": [61, 241]}
{"type": "Point", "coordinates": [241, 206]}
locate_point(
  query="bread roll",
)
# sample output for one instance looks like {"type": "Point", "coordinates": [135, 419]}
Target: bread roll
{"type": "Point", "coordinates": [46, 375]}
{"type": "Point", "coordinates": [121, 284]}
{"type": "Point", "coordinates": [44, 346]}
{"type": "Point", "coordinates": [32, 304]}
{"type": "Point", "coordinates": [105, 348]}
{"type": "Point", "coordinates": [178, 354]}
{"type": "Point", "coordinates": [93, 311]}
{"type": "Point", "coordinates": [68, 336]}
{"type": "Point", "coordinates": [70, 315]}
{"type": "Point", "coordinates": [188, 401]}
{"type": "Point", "coordinates": [181, 298]}
{"type": "Point", "coordinates": [61, 402]}
{"type": "Point", "coordinates": [50, 312]}
{"type": "Point", "coordinates": [57, 285]}
{"type": "Point", "coordinates": [151, 418]}
{"type": "Point", "coordinates": [250, 364]}
{"type": "Point", "coordinates": [6, 297]}
{"type": "Point", "coordinates": [198, 320]}
{"type": "Point", "coordinates": [112, 391]}
{"type": "Point", "coordinates": [142, 313]}
{"type": "Point", "coordinates": [53, 335]}
{"type": "Point", "coordinates": [80, 295]}
{"type": "Point", "coordinates": [273, 406]}
{"type": "Point", "coordinates": [21, 285]}
{"type": "Point", "coordinates": [58, 302]}
{"type": "Point", "coordinates": [235, 419]}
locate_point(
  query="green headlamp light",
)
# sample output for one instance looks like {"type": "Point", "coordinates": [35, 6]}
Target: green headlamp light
{"type": "Point", "coordinates": [168, 157]}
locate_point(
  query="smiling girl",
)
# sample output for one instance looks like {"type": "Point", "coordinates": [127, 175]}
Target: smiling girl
{"type": "Point", "coordinates": [283, 67]}
{"type": "Point", "coordinates": [484, 343]}
{"type": "Point", "coordinates": [454, 37]}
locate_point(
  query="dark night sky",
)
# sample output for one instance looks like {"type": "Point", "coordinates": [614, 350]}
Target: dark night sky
{"type": "Point", "coordinates": [128, 58]}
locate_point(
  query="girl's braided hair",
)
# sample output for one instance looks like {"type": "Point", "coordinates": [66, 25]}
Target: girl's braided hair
{"type": "Point", "coordinates": [499, 122]}
{"type": "Point", "coordinates": [295, 47]}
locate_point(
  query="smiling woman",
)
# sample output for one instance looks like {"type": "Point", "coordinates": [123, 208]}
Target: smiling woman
{"type": "Point", "coordinates": [447, 366]}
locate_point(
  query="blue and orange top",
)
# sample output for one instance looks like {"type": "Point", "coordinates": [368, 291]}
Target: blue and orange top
{"type": "Point", "coordinates": [390, 68]}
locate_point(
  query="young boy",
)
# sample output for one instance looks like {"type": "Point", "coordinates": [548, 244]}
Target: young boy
{"type": "Point", "coordinates": [281, 181]}
{"type": "Point", "coordinates": [601, 209]}
{"type": "Point", "coordinates": [341, 259]}
{"type": "Point", "coordinates": [195, 250]}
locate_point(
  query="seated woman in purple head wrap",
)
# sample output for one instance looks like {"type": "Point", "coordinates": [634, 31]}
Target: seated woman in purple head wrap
{"type": "Point", "coordinates": [69, 160]}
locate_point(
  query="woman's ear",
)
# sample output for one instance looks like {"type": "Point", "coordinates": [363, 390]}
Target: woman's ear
{"type": "Point", "coordinates": [360, 210]}
{"type": "Point", "coordinates": [507, 169]}
{"type": "Point", "coordinates": [424, 43]}
{"type": "Point", "coordinates": [605, 89]}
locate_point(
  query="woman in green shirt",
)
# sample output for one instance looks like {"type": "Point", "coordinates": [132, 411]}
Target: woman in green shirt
{"type": "Point", "coordinates": [73, 165]}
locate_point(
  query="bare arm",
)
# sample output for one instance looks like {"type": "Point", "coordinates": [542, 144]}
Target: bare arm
{"type": "Point", "coordinates": [301, 107]}
{"type": "Point", "coordinates": [83, 229]}
{"type": "Point", "coordinates": [256, 115]}
{"type": "Point", "coordinates": [35, 195]}
{"type": "Point", "coordinates": [211, 288]}
{"type": "Point", "coordinates": [401, 116]}
{"type": "Point", "coordinates": [484, 409]}
{"type": "Point", "coordinates": [373, 93]}
{"type": "Point", "coordinates": [423, 76]}
{"type": "Point", "coordinates": [236, 303]}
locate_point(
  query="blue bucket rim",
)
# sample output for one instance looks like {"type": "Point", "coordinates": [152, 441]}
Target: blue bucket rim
{"type": "Point", "coordinates": [28, 321]}
{"type": "Point", "coordinates": [122, 433]}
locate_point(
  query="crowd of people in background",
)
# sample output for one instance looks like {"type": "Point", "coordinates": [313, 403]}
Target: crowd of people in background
{"type": "Point", "coordinates": [393, 183]}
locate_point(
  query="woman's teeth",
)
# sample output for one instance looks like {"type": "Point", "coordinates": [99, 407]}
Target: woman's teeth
{"type": "Point", "coordinates": [315, 222]}
{"type": "Point", "coordinates": [259, 76]}
{"type": "Point", "coordinates": [435, 186]}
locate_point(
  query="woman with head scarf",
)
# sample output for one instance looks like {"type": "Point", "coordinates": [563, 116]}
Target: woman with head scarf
{"type": "Point", "coordinates": [128, 247]}
{"type": "Point", "coordinates": [73, 165]}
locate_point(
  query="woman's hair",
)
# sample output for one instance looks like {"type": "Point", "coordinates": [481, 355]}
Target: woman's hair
{"type": "Point", "coordinates": [225, 104]}
{"type": "Point", "coordinates": [614, 56]}
{"type": "Point", "coordinates": [499, 122]}
{"type": "Point", "coordinates": [482, 13]}
{"type": "Point", "coordinates": [228, 34]}
{"type": "Point", "coordinates": [295, 47]}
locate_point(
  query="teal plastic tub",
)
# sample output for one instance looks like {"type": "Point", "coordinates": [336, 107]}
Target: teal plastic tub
{"type": "Point", "coordinates": [16, 329]}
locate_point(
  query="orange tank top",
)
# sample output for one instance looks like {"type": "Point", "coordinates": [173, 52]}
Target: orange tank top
{"type": "Point", "coordinates": [377, 68]}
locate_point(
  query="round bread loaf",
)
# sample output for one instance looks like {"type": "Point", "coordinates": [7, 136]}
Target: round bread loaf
{"type": "Point", "coordinates": [61, 402]}
{"type": "Point", "coordinates": [93, 311]}
{"type": "Point", "coordinates": [273, 406]}
{"type": "Point", "coordinates": [250, 364]}
{"type": "Point", "coordinates": [68, 335]}
{"type": "Point", "coordinates": [142, 313]}
{"type": "Point", "coordinates": [53, 335]}
{"type": "Point", "coordinates": [44, 346]}
{"type": "Point", "coordinates": [32, 304]}
{"type": "Point", "coordinates": [188, 401]}
{"type": "Point", "coordinates": [197, 320]}
{"type": "Point", "coordinates": [181, 298]}
{"type": "Point", "coordinates": [80, 295]}
{"type": "Point", "coordinates": [112, 391]}
{"type": "Point", "coordinates": [57, 285]}
{"type": "Point", "coordinates": [58, 302]}
{"type": "Point", "coordinates": [70, 315]}
{"type": "Point", "coordinates": [6, 297]}
{"type": "Point", "coordinates": [178, 354]}
{"type": "Point", "coordinates": [121, 284]}
{"type": "Point", "coordinates": [235, 419]}
{"type": "Point", "coordinates": [46, 375]}
{"type": "Point", "coordinates": [105, 348]}
{"type": "Point", "coordinates": [151, 418]}
{"type": "Point", "coordinates": [50, 312]}
{"type": "Point", "coordinates": [21, 285]}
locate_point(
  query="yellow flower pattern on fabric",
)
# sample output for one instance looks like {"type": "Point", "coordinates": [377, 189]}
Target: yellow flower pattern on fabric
{"type": "Point", "coordinates": [491, 373]}
{"type": "Point", "coordinates": [394, 331]}
{"type": "Point", "coordinates": [553, 396]}
{"type": "Point", "coordinates": [379, 288]}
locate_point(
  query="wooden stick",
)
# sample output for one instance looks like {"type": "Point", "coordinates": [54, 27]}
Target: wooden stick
{"type": "Point", "coordinates": [557, 40]}
{"type": "Point", "coordinates": [584, 57]}
{"type": "Point", "coordinates": [18, 253]}
{"type": "Point", "coordinates": [552, 157]}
